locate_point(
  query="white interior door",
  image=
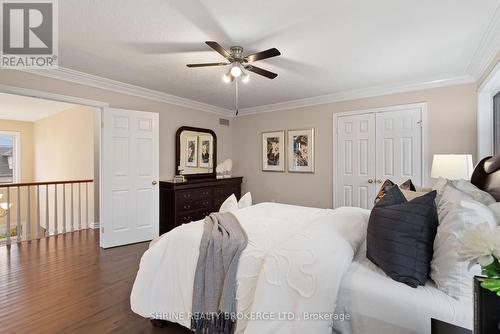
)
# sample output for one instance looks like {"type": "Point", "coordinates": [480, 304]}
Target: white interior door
{"type": "Point", "coordinates": [356, 161]}
{"type": "Point", "coordinates": [129, 177]}
{"type": "Point", "coordinates": [399, 146]}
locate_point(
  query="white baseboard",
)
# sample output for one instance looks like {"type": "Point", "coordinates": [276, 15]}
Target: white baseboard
{"type": "Point", "coordinates": [94, 225]}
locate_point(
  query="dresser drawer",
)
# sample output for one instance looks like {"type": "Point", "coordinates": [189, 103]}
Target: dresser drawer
{"type": "Point", "coordinates": [190, 216]}
{"type": "Point", "coordinates": [195, 204]}
{"type": "Point", "coordinates": [225, 192]}
{"type": "Point", "coordinates": [187, 196]}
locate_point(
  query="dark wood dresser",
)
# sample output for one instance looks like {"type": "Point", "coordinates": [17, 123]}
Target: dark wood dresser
{"type": "Point", "coordinates": [193, 200]}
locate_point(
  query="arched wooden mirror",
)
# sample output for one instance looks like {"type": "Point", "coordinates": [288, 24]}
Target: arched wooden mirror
{"type": "Point", "coordinates": [195, 152]}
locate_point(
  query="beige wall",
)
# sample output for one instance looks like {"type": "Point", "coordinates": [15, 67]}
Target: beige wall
{"type": "Point", "coordinates": [64, 146]}
{"type": "Point", "coordinates": [451, 129]}
{"type": "Point", "coordinates": [27, 148]}
{"type": "Point", "coordinates": [171, 117]}
{"type": "Point", "coordinates": [64, 150]}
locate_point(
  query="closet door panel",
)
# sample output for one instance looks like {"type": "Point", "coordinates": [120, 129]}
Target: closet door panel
{"type": "Point", "coordinates": [356, 161]}
{"type": "Point", "coordinates": [399, 146]}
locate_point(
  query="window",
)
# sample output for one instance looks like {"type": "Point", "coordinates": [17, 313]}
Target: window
{"type": "Point", "coordinates": [9, 157]}
{"type": "Point", "coordinates": [496, 123]}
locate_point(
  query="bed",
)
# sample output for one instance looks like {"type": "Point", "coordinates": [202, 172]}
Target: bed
{"type": "Point", "coordinates": [303, 271]}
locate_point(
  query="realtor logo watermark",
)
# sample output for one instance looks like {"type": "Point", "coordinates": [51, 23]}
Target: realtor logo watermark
{"type": "Point", "coordinates": [29, 36]}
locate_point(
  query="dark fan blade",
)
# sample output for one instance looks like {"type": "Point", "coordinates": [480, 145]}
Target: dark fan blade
{"type": "Point", "coordinates": [261, 71]}
{"type": "Point", "coordinates": [217, 47]}
{"type": "Point", "coordinates": [207, 64]}
{"type": "Point", "coordinates": [262, 55]}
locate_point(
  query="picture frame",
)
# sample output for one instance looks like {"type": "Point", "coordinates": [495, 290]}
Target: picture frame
{"type": "Point", "coordinates": [191, 156]}
{"type": "Point", "coordinates": [273, 151]}
{"type": "Point", "coordinates": [301, 150]}
{"type": "Point", "coordinates": [205, 151]}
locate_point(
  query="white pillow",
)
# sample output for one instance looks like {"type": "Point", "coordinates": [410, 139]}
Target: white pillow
{"type": "Point", "coordinates": [245, 201]}
{"type": "Point", "coordinates": [230, 204]}
{"type": "Point", "coordinates": [450, 198]}
{"type": "Point", "coordinates": [449, 273]}
{"type": "Point", "coordinates": [495, 208]}
{"type": "Point", "coordinates": [477, 194]}
{"type": "Point", "coordinates": [439, 187]}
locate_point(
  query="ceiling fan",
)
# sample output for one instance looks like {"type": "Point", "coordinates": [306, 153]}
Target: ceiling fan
{"type": "Point", "coordinates": [240, 63]}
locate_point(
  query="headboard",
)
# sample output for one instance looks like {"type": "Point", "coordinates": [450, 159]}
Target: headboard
{"type": "Point", "coordinates": [486, 176]}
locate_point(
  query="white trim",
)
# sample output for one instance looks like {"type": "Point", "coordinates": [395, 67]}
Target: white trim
{"type": "Point", "coordinates": [488, 47]}
{"type": "Point", "coordinates": [81, 78]}
{"type": "Point", "coordinates": [425, 142]}
{"type": "Point", "coordinates": [49, 96]}
{"type": "Point", "coordinates": [124, 88]}
{"type": "Point", "coordinates": [485, 130]}
{"type": "Point", "coordinates": [16, 172]}
{"type": "Point", "coordinates": [359, 94]}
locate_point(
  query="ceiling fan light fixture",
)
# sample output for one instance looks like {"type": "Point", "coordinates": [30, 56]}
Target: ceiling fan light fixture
{"type": "Point", "coordinates": [227, 77]}
{"type": "Point", "coordinates": [245, 77]}
{"type": "Point", "coordinates": [236, 70]}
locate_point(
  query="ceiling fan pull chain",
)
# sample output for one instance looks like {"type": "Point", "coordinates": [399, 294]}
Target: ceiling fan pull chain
{"type": "Point", "coordinates": [237, 101]}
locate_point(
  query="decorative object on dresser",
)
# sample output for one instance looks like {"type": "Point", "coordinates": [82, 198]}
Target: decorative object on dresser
{"type": "Point", "coordinates": [301, 150]}
{"type": "Point", "coordinates": [194, 199]}
{"type": "Point", "coordinates": [195, 152]}
{"type": "Point", "coordinates": [224, 169]}
{"type": "Point", "coordinates": [441, 327]}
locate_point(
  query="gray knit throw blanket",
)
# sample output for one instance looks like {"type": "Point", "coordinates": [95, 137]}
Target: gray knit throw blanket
{"type": "Point", "coordinates": [214, 295]}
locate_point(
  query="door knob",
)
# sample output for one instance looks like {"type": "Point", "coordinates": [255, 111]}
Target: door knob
{"type": "Point", "coordinates": [379, 181]}
{"type": "Point", "coordinates": [154, 183]}
{"type": "Point", "coordinates": [370, 181]}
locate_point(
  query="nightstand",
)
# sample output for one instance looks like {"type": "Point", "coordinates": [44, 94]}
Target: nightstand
{"type": "Point", "coordinates": [441, 327]}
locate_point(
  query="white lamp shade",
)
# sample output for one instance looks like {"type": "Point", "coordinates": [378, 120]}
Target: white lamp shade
{"type": "Point", "coordinates": [452, 166]}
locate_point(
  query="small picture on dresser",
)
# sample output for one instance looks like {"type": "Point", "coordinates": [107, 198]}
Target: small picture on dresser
{"type": "Point", "coordinates": [191, 151]}
{"type": "Point", "coordinates": [273, 151]}
{"type": "Point", "coordinates": [301, 150]}
{"type": "Point", "coordinates": [205, 151]}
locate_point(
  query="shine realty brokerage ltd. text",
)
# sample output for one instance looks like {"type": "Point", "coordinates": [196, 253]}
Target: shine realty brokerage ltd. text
{"type": "Point", "coordinates": [258, 316]}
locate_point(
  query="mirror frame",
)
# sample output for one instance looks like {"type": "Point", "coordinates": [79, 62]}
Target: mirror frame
{"type": "Point", "coordinates": [178, 152]}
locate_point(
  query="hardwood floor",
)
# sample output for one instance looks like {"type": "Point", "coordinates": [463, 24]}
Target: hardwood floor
{"type": "Point", "coordinates": [67, 284]}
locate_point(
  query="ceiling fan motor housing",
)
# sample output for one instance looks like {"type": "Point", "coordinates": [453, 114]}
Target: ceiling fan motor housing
{"type": "Point", "coordinates": [237, 53]}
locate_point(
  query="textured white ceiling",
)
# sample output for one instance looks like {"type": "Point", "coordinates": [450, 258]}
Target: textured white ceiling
{"type": "Point", "coordinates": [28, 109]}
{"type": "Point", "coordinates": [327, 46]}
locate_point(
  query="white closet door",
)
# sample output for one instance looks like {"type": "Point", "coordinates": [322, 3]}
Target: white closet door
{"type": "Point", "coordinates": [399, 146]}
{"type": "Point", "coordinates": [356, 161]}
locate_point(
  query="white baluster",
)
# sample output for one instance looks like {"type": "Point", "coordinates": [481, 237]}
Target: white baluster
{"type": "Point", "coordinates": [7, 234]}
{"type": "Point", "coordinates": [79, 206]}
{"type": "Point", "coordinates": [64, 208]}
{"type": "Point", "coordinates": [55, 209]}
{"type": "Point", "coordinates": [38, 222]}
{"type": "Point", "coordinates": [47, 216]}
{"type": "Point", "coordinates": [72, 210]}
{"type": "Point", "coordinates": [19, 228]}
{"type": "Point", "coordinates": [87, 204]}
{"type": "Point", "coordinates": [28, 216]}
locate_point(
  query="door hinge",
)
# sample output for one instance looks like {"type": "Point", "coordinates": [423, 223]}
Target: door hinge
{"type": "Point", "coordinates": [419, 123]}
{"type": "Point", "coordinates": [102, 229]}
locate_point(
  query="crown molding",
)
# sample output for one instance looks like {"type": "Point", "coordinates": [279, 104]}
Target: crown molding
{"type": "Point", "coordinates": [77, 77]}
{"type": "Point", "coordinates": [358, 94]}
{"type": "Point", "coordinates": [488, 47]}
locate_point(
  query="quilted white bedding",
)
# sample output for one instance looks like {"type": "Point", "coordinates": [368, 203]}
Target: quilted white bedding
{"type": "Point", "coordinates": [288, 277]}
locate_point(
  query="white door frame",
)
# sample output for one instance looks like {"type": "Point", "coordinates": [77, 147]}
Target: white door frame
{"type": "Point", "coordinates": [99, 107]}
{"type": "Point", "coordinates": [423, 108]}
{"type": "Point", "coordinates": [485, 132]}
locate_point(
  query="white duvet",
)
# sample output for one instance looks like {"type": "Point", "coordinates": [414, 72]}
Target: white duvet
{"type": "Point", "coordinates": [288, 276]}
